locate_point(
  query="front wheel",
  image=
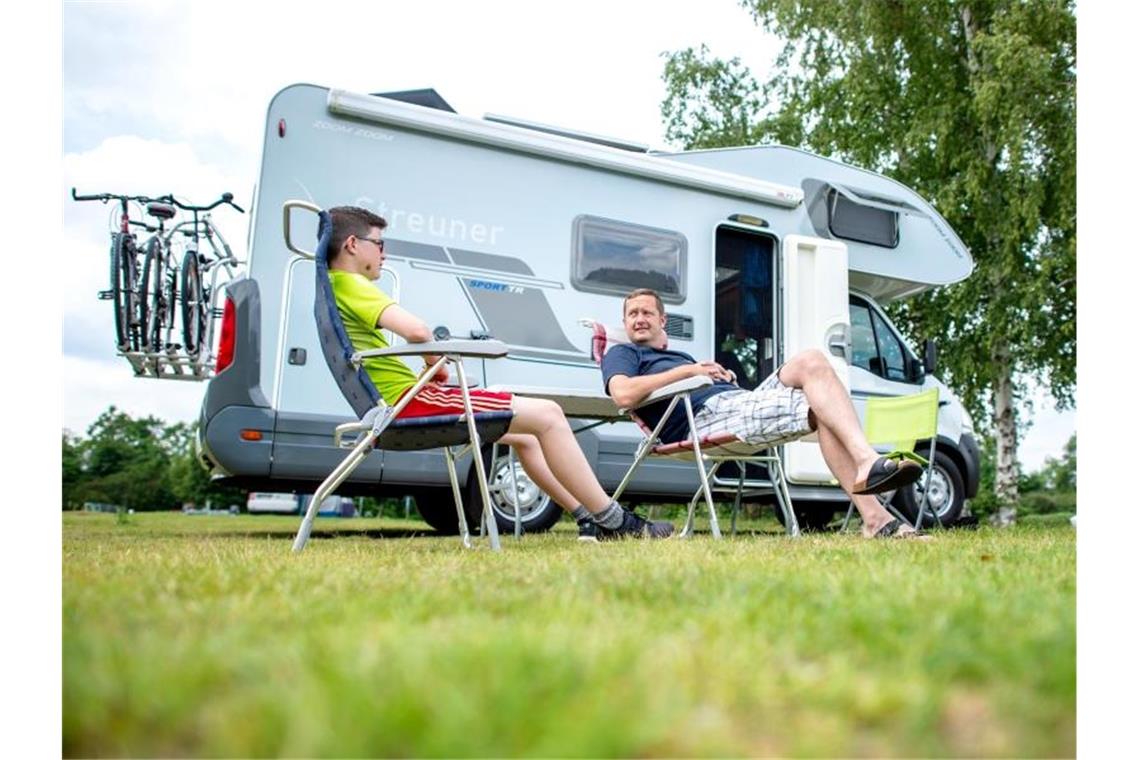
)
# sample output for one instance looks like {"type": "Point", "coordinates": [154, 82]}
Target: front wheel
{"type": "Point", "coordinates": [194, 306]}
{"type": "Point", "coordinates": [510, 492]}
{"type": "Point", "coordinates": [947, 493]}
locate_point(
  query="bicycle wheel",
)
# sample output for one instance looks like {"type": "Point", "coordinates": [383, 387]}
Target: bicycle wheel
{"type": "Point", "coordinates": [195, 310]}
{"type": "Point", "coordinates": [124, 288]}
{"type": "Point", "coordinates": [152, 306]}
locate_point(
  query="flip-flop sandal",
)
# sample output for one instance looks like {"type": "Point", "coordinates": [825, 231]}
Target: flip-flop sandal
{"type": "Point", "coordinates": [891, 530]}
{"type": "Point", "coordinates": [895, 470]}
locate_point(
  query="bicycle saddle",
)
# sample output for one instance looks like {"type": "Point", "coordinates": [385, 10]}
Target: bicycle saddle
{"type": "Point", "coordinates": [160, 210]}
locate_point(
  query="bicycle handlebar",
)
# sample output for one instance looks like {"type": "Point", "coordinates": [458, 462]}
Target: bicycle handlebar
{"type": "Point", "coordinates": [226, 198]}
{"type": "Point", "coordinates": [114, 196]}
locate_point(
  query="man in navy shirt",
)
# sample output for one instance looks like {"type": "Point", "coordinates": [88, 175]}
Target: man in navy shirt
{"type": "Point", "coordinates": [802, 396]}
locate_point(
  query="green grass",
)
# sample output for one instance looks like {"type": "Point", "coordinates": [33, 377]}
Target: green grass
{"type": "Point", "coordinates": [205, 636]}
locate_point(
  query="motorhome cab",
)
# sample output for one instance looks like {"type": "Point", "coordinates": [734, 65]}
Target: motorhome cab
{"type": "Point", "coordinates": [517, 231]}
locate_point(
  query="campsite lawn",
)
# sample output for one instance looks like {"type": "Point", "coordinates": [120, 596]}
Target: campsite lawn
{"type": "Point", "coordinates": [204, 636]}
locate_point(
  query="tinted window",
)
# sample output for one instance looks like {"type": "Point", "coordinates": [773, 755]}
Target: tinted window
{"type": "Point", "coordinates": [616, 257]}
{"type": "Point", "coordinates": [874, 346]}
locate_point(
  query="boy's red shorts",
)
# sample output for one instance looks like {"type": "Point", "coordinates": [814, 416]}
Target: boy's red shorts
{"type": "Point", "coordinates": [435, 399]}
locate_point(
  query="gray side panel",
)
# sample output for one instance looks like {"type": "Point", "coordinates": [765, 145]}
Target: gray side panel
{"type": "Point", "coordinates": [490, 262]}
{"type": "Point", "coordinates": [517, 315]}
{"type": "Point", "coordinates": [303, 449]}
{"type": "Point", "coordinates": [222, 439]}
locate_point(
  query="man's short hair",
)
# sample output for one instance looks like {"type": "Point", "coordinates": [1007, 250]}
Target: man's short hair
{"type": "Point", "coordinates": [643, 292]}
{"type": "Point", "coordinates": [351, 220]}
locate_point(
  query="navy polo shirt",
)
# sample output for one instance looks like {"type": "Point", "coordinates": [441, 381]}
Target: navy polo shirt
{"type": "Point", "coordinates": [633, 360]}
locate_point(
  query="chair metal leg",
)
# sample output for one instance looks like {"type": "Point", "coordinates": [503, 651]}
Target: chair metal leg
{"type": "Point", "coordinates": [514, 490]}
{"type": "Point", "coordinates": [850, 510]}
{"type": "Point", "coordinates": [477, 455]}
{"type": "Point", "coordinates": [784, 499]}
{"type": "Point", "coordinates": [331, 483]}
{"type": "Point", "coordinates": [739, 493]}
{"type": "Point", "coordinates": [643, 450]}
{"type": "Point", "coordinates": [926, 491]}
{"type": "Point", "coordinates": [691, 516]}
{"type": "Point", "coordinates": [713, 525]}
{"type": "Point", "coordinates": [464, 533]}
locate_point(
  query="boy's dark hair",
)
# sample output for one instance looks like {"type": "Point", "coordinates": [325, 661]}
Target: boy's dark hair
{"type": "Point", "coordinates": [351, 220]}
{"type": "Point", "coordinates": [643, 292]}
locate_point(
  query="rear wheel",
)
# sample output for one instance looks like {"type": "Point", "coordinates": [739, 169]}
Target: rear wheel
{"type": "Point", "coordinates": [811, 517]}
{"type": "Point", "coordinates": [124, 289]}
{"type": "Point", "coordinates": [194, 311]}
{"type": "Point", "coordinates": [437, 508]}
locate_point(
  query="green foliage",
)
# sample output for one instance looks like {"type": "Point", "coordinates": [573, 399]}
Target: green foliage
{"type": "Point", "coordinates": [970, 103]}
{"type": "Point", "coordinates": [204, 636]}
{"type": "Point", "coordinates": [140, 464]}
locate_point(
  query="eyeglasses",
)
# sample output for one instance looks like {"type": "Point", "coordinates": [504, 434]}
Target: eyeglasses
{"type": "Point", "coordinates": [378, 242]}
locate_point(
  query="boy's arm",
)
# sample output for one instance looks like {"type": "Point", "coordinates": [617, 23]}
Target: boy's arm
{"type": "Point", "coordinates": [412, 329]}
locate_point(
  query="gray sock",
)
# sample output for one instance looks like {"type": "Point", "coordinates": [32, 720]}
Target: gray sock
{"type": "Point", "coordinates": [580, 513]}
{"type": "Point", "coordinates": [611, 517]}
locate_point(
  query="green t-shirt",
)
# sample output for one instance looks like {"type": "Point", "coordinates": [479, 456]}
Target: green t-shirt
{"type": "Point", "coordinates": [360, 304]}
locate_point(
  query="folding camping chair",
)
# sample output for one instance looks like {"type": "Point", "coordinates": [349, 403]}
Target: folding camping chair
{"type": "Point", "coordinates": [714, 450]}
{"type": "Point", "coordinates": [378, 426]}
{"type": "Point", "coordinates": [901, 422]}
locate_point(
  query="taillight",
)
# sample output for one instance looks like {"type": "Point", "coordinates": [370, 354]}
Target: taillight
{"type": "Point", "coordinates": [226, 342]}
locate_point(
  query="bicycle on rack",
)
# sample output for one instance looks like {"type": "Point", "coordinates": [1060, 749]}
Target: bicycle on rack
{"type": "Point", "coordinates": [196, 295]}
{"type": "Point", "coordinates": [125, 282]}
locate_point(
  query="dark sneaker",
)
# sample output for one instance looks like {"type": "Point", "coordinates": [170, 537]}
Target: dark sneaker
{"type": "Point", "coordinates": [588, 530]}
{"type": "Point", "coordinates": [635, 526]}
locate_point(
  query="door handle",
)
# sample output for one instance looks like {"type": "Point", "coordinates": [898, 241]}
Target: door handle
{"type": "Point", "coordinates": [839, 341]}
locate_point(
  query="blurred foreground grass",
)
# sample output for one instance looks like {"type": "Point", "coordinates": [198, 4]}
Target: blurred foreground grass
{"type": "Point", "coordinates": [205, 636]}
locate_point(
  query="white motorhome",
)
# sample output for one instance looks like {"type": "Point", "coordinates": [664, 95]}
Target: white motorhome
{"type": "Point", "coordinates": [516, 231]}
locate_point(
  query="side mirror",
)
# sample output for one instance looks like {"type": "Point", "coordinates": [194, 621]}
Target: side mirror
{"type": "Point", "coordinates": [930, 356]}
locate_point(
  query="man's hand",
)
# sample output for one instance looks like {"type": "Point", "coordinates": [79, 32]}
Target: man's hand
{"type": "Point", "coordinates": [713, 371]}
{"type": "Point", "coordinates": [441, 376]}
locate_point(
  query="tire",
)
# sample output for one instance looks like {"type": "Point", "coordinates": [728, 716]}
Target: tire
{"type": "Point", "coordinates": [811, 517]}
{"type": "Point", "coordinates": [538, 511]}
{"type": "Point", "coordinates": [194, 308]}
{"type": "Point", "coordinates": [947, 493]}
{"type": "Point", "coordinates": [437, 508]}
{"type": "Point", "coordinates": [124, 290]}
{"type": "Point", "coordinates": [152, 306]}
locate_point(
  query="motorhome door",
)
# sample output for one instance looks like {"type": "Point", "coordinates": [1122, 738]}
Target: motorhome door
{"type": "Point", "coordinates": [815, 315]}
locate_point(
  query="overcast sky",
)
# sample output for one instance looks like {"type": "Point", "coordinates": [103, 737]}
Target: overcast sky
{"type": "Point", "coordinates": [171, 97]}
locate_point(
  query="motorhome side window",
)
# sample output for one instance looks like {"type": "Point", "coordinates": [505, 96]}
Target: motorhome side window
{"type": "Point", "coordinates": [615, 257]}
{"type": "Point", "coordinates": [874, 347]}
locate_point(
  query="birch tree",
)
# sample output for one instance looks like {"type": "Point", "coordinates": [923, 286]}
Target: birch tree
{"type": "Point", "coordinates": [971, 103]}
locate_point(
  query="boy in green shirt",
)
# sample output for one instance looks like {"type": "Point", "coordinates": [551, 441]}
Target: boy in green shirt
{"type": "Point", "coordinates": [539, 433]}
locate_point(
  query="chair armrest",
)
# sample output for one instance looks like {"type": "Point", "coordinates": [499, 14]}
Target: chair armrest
{"type": "Point", "coordinates": [673, 389]}
{"type": "Point", "coordinates": [487, 349]}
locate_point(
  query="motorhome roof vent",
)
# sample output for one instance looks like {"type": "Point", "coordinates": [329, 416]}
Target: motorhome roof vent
{"type": "Point", "coordinates": [428, 98]}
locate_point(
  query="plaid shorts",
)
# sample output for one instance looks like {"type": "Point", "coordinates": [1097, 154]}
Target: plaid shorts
{"type": "Point", "coordinates": [770, 414]}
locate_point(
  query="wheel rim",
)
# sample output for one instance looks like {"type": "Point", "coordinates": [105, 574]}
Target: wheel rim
{"type": "Point", "coordinates": [505, 495]}
{"type": "Point", "coordinates": [941, 492]}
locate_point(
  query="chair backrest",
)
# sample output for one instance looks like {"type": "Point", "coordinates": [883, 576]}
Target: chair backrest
{"type": "Point", "coordinates": [353, 382]}
{"type": "Point", "coordinates": [605, 338]}
{"type": "Point", "coordinates": [901, 421]}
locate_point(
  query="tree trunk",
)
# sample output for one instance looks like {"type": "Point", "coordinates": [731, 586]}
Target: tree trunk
{"type": "Point", "coordinates": [1005, 427]}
